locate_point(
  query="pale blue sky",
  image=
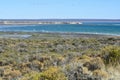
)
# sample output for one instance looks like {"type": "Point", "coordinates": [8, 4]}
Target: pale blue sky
{"type": "Point", "coordinates": [37, 9]}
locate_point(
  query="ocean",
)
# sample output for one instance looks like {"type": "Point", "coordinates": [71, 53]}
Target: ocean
{"type": "Point", "coordinates": [104, 29]}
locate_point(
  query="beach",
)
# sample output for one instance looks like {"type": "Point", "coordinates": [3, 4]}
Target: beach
{"type": "Point", "coordinates": [47, 35]}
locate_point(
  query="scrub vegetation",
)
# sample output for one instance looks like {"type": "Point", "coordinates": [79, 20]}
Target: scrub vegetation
{"type": "Point", "coordinates": [57, 58]}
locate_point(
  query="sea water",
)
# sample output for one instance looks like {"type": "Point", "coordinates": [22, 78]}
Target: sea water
{"type": "Point", "coordinates": [105, 29]}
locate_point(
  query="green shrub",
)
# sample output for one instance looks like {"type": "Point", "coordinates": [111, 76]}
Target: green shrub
{"type": "Point", "coordinates": [52, 73]}
{"type": "Point", "coordinates": [111, 55]}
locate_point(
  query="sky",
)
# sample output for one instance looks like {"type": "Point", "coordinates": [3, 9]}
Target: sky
{"type": "Point", "coordinates": [59, 9]}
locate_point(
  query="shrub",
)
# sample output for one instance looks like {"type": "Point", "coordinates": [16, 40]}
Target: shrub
{"type": "Point", "coordinates": [22, 50]}
{"type": "Point", "coordinates": [22, 45]}
{"type": "Point", "coordinates": [94, 64]}
{"type": "Point", "coordinates": [12, 74]}
{"type": "Point", "coordinates": [111, 55]}
{"type": "Point", "coordinates": [100, 73]}
{"type": "Point", "coordinates": [52, 73]}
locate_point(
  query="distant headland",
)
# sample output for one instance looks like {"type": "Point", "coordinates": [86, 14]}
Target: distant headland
{"type": "Point", "coordinates": [53, 21]}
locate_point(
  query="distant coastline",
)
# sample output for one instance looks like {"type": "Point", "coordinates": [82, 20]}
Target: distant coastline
{"type": "Point", "coordinates": [53, 21]}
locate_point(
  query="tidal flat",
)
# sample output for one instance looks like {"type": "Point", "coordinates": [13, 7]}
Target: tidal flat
{"type": "Point", "coordinates": [59, 56]}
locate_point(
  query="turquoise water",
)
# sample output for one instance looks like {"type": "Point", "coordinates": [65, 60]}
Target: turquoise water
{"type": "Point", "coordinates": [106, 29]}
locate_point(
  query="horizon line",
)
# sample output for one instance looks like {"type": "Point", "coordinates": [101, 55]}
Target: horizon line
{"type": "Point", "coordinates": [59, 19]}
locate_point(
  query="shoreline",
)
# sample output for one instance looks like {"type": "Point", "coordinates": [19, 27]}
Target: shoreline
{"type": "Point", "coordinates": [21, 34]}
